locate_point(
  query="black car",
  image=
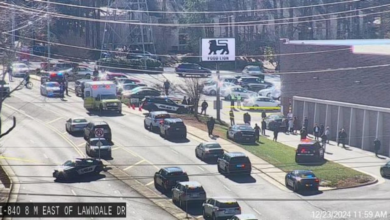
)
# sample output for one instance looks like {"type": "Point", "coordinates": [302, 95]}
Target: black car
{"type": "Point", "coordinates": [209, 150]}
{"type": "Point", "coordinates": [4, 88]}
{"type": "Point", "coordinates": [173, 128]}
{"type": "Point", "coordinates": [79, 84]}
{"type": "Point", "coordinates": [309, 150]}
{"type": "Point", "coordinates": [138, 94]}
{"type": "Point", "coordinates": [166, 178]}
{"type": "Point", "coordinates": [385, 170]}
{"type": "Point", "coordinates": [234, 162]}
{"type": "Point", "coordinates": [185, 69]}
{"type": "Point", "coordinates": [241, 133]}
{"type": "Point", "coordinates": [301, 180]}
{"type": "Point", "coordinates": [163, 104]}
{"type": "Point", "coordinates": [89, 131]}
{"type": "Point", "coordinates": [78, 167]}
{"type": "Point", "coordinates": [276, 121]}
{"type": "Point", "coordinates": [254, 83]}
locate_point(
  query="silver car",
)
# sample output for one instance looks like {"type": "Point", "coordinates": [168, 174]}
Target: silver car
{"type": "Point", "coordinates": [188, 192]}
{"type": "Point", "coordinates": [92, 147]}
{"type": "Point", "coordinates": [221, 208]}
{"type": "Point", "coordinates": [50, 89]}
{"type": "Point", "coordinates": [252, 71]}
{"type": "Point", "coordinates": [75, 124]}
{"type": "Point", "coordinates": [19, 69]}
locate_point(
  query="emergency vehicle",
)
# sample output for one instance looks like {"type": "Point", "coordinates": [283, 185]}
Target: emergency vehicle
{"type": "Point", "coordinates": [53, 77]}
{"type": "Point", "coordinates": [101, 95]}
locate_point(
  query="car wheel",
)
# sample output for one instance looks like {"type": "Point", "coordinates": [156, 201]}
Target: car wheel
{"type": "Point", "coordinates": [296, 187]}
{"type": "Point", "coordinates": [214, 217]}
{"type": "Point", "coordinates": [285, 182]}
{"type": "Point", "coordinates": [180, 203]}
{"type": "Point", "coordinates": [297, 160]}
{"type": "Point", "coordinates": [219, 169]}
{"type": "Point", "coordinates": [227, 135]}
{"type": "Point", "coordinates": [196, 154]}
{"type": "Point", "coordinates": [156, 185]}
{"type": "Point", "coordinates": [181, 75]}
{"type": "Point", "coordinates": [66, 129]}
{"type": "Point", "coordinates": [382, 173]}
{"type": "Point", "coordinates": [145, 126]}
{"type": "Point", "coordinates": [213, 92]}
{"type": "Point", "coordinates": [204, 214]}
{"type": "Point", "coordinates": [268, 95]}
{"type": "Point", "coordinates": [88, 76]}
{"type": "Point", "coordinates": [151, 128]}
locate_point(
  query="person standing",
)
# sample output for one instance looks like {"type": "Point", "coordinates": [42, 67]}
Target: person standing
{"type": "Point", "coordinates": [263, 114]}
{"type": "Point", "coordinates": [339, 138]}
{"type": "Point", "coordinates": [204, 107]}
{"type": "Point", "coordinates": [324, 139]}
{"type": "Point", "coordinates": [263, 127]}
{"type": "Point", "coordinates": [291, 125]}
{"type": "Point", "coordinates": [316, 132]}
{"type": "Point", "coordinates": [95, 73]}
{"type": "Point", "coordinates": [210, 125]}
{"type": "Point", "coordinates": [9, 70]}
{"type": "Point", "coordinates": [62, 88]}
{"type": "Point", "coordinates": [239, 101]}
{"type": "Point", "coordinates": [306, 124]}
{"type": "Point", "coordinates": [276, 132]}
{"type": "Point", "coordinates": [247, 118]}
{"type": "Point", "coordinates": [232, 101]}
{"type": "Point", "coordinates": [231, 116]}
{"type": "Point", "coordinates": [257, 133]}
{"type": "Point", "coordinates": [377, 146]}
{"type": "Point", "coordinates": [66, 83]}
{"type": "Point", "coordinates": [303, 133]}
{"type": "Point", "coordinates": [167, 85]}
{"type": "Point", "coordinates": [343, 137]}
{"type": "Point", "coordinates": [296, 125]}
{"type": "Point", "coordinates": [184, 102]}
{"type": "Point", "coordinates": [322, 129]}
{"type": "Point", "coordinates": [327, 133]}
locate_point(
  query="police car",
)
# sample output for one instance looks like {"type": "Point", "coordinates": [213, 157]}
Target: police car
{"type": "Point", "coordinates": [152, 104]}
{"type": "Point", "coordinates": [78, 167]}
{"type": "Point", "coordinates": [153, 120]}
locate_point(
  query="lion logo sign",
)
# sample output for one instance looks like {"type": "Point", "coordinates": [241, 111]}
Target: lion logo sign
{"type": "Point", "coordinates": [222, 45]}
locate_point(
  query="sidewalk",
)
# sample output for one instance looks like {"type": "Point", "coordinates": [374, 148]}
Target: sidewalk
{"type": "Point", "coordinates": [360, 160]}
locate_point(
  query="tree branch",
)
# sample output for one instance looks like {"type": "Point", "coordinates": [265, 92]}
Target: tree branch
{"type": "Point", "coordinates": [10, 129]}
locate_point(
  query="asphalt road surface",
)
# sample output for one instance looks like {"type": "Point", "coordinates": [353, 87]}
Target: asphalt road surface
{"type": "Point", "coordinates": [40, 139]}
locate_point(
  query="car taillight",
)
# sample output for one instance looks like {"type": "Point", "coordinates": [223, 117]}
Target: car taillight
{"type": "Point", "coordinates": [317, 180]}
{"type": "Point", "coordinates": [74, 126]}
{"type": "Point", "coordinates": [220, 210]}
{"type": "Point", "coordinates": [238, 208]}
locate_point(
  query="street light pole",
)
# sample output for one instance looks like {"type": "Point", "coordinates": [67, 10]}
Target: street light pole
{"type": "Point", "coordinates": [218, 104]}
{"type": "Point", "coordinates": [48, 34]}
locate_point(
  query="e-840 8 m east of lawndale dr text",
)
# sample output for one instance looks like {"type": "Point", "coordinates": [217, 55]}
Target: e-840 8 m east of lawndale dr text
{"type": "Point", "coordinates": [350, 214]}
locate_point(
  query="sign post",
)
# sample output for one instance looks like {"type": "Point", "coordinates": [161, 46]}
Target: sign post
{"type": "Point", "coordinates": [99, 133]}
{"type": "Point", "coordinates": [218, 50]}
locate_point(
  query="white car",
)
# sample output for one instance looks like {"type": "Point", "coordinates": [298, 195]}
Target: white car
{"type": "Point", "coordinates": [273, 92]}
{"type": "Point", "coordinates": [50, 89]}
{"type": "Point", "coordinates": [211, 89]}
{"type": "Point", "coordinates": [19, 69]}
{"type": "Point", "coordinates": [153, 120]}
{"type": "Point", "coordinates": [252, 71]}
{"type": "Point", "coordinates": [75, 124]}
{"type": "Point", "coordinates": [235, 90]}
{"type": "Point", "coordinates": [261, 102]}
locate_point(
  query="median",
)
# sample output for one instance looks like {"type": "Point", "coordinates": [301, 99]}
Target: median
{"type": "Point", "coordinates": [332, 174]}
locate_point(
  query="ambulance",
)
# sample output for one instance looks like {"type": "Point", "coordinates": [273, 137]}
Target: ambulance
{"type": "Point", "coordinates": [101, 96]}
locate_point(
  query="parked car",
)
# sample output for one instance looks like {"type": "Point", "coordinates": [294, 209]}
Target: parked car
{"type": "Point", "coordinates": [209, 150]}
{"type": "Point", "coordinates": [212, 89]}
{"type": "Point", "coordinates": [309, 151]}
{"type": "Point", "coordinates": [385, 170]}
{"type": "Point", "coordinates": [79, 84]}
{"type": "Point", "coordinates": [241, 133]}
{"type": "Point", "coordinates": [234, 163]}
{"type": "Point", "coordinates": [50, 89]}
{"type": "Point", "coordinates": [173, 128]}
{"type": "Point", "coordinates": [19, 69]}
{"type": "Point", "coordinates": [272, 92]}
{"type": "Point", "coordinates": [275, 120]}
{"type": "Point", "coordinates": [220, 208]}
{"type": "Point", "coordinates": [125, 80]}
{"type": "Point", "coordinates": [75, 124]}
{"type": "Point", "coordinates": [137, 95]}
{"type": "Point", "coordinates": [254, 83]}
{"type": "Point", "coordinates": [185, 69]}
{"type": "Point", "coordinates": [235, 90]}
{"type": "Point", "coordinates": [302, 180]}
{"type": "Point", "coordinates": [123, 88]}
{"type": "Point", "coordinates": [253, 71]}
{"type": "Point", "coordinates": [167, 178]}
{"type": "Point", "coordinates": [82, 71]}
{"type": "Point", "coordinates": [153, 120]}
{"type": "Point", "coordinates": [261, 102]}
{"type": "Point", "coordinates": [112, 76]}
{"type": "Point", "coordinates": [189, 192]}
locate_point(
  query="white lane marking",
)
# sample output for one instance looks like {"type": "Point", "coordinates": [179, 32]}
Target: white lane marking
{"type": "Point", "coordinates": [150, 183]}
{"type": "Point", "coordinates": [256, 211]}
{"type": "Point", "coordinates": [200, 168]}
{"type": "Point", "coordinates": [226, 188]}
{"type": "Point", "coordinates": [74, 193]}
{"type": "Point", "coordinates": [54, 120]}
{"type": "Point", "coordinates": [33, 142]}
{"type": "Point", "coordinates": [45, 156]}
{"type": "Point", "coordinates": [174, 151]}
{"type": "Point", "coordinates": [129, 167]}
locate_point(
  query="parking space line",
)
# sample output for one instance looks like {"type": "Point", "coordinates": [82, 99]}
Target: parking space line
{"type": "Point", "coordinates": [80, 145]}
{"type": "Point", "coordinates": [115, 148]}
{"type": "Point", "coordinates": [174, 151]}
{"type": "Point", "coordinates": [150, 183]}
{"type": "Point", "coordinates": [45, 156]}
{"type": "Point", "coordinates": [136, 155]}
{"type": "Point", "coordinates": [200, 168]}
{"type": "Point", "coordinates": [227, 188]}
{"type": "Point", "coordinates": [129, 167]}
{"type": "Point", "coordinates": [256, 211]}
{"type": "Point", "coordinates": [65, 132]}
{"type": "Point", "coordinates": [74, 193]}
{"type": "Point", "coordinates": [57, 119]}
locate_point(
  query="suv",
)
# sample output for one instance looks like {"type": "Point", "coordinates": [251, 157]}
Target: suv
{"type": "Point", "coordinates": [153, 103]}
{"type": "Point", "coordinates": [234, 162]}
{"type": "Point", "coordinates": [254, 83]}
{"type": "Point", "coordinates": [153, 120]}
{"type": "Point", "coordinates": [166, 178]}
{"type": "Point", "coordinates": [220, 208]}
{"type": "Point", "coordinates": [309, 150]}
{"type": "Point", "coordinates": [173, 127]}
{"type": "Point", "coordinates": [188, 192]}
{"type": "Point", "coordinates": [89, 131]}
{"type": "Point", "coordinates": [185, 69]}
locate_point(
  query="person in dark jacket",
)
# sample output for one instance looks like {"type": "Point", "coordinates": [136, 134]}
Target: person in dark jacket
{"type": "Point", "coordinates": [322, 129]}
{"type": "Point", "coordinates": [306, 124]}
{"type": "Point", "coordinates": [184, 102]}
{"type": "Point", "coordinates": [263, 127]}
{"type": "Point", "coordinates": [210, 125]}
{"type": "Point", "coordinates": [316, 131]}
{"type": "Point", "coordinates": [296, 125]}
{"type": "Point", "coordinates": [95, 72]}
{"type": "Point", "coordinates": [247, 118]}
{"type": "Point", "coordinates": [204, 107]}
{"type": "Point", "coordinates": [231, 116]}
{"type": "Point", "coordinates": [303, 133]}
{"type": "Point", "coordinates": [167, 85]}
{"type": "Point", "coordinates": [263, 114]}
{"type": "Point", "coordinates": [257, 133]}
{"type": "Point", "coordinates": [62, 89]}
{"type": "Point", "coordinates": [324, 139]}
{"type": "Point", "coordinates": [339, 136]}
{"type": "Point", "coordinates": [377, 146]}
{"type": "Point", "coordinates": [343, 137]}
{"type": "Point", "coordinates": [276, 132]}
{"type": "Point", "coordinates": [66, 83]}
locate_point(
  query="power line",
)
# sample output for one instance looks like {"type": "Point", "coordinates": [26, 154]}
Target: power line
{"type": "Point", "coordinates": [203, 12]}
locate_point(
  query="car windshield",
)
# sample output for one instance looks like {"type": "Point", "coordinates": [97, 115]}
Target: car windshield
{"type": "Point", "coordinates": [79, 120]}
{"type": "Point", "coordinates": [161, 116]}
{"type": "Point", "coordinates": [195, 189]}
{"type": "Point", "coordinates": [130, 87]}
{"type": "Point", "coordinates": [52, 84]}
{"type": "Point", "coordinates": [306, 174]}
{"type": "Point", "coordinates": [69, 163]}
{"type": "Point", "coordinates": [239, 160]}
{"type": "Point", "coordinates": [244, 127]}
{"type": "Point", "coordinates": [103, 141]}
{"type": "Point", "coordinates": [213, 146]}
{"type": "Point", "coordinates": [19, 66]}
{"type": "Point", "coordinates": [110, 96]}
{"type": "Point", "coordinates": [254, 68]}
{"type": "Point", "coordinates": [228, 205]}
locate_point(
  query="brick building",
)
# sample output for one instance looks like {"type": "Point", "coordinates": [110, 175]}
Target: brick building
{"type": "Point", "coordinates": [341, 84]}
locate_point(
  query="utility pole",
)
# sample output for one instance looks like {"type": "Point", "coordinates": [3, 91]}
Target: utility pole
{"type": "Point", "coordinates": [142, 30]}
{"type": "Point", "coordinates": [48, 35]}
{"type": "Point", "coordinates": [218, 104]}
{"type": "Point", "coordinates": [13, 32]}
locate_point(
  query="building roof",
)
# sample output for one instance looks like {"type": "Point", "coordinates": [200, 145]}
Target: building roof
{"type": "Point", "coordinates": [342, 42]}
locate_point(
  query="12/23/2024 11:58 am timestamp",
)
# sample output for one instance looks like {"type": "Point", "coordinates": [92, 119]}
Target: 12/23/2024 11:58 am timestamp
{"type": "Point", "coordinates": [350, 215]}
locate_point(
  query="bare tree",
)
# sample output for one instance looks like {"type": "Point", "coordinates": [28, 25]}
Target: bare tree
{"type": "Point", "coordinates": [193, 88]}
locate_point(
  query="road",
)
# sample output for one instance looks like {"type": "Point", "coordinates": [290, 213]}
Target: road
{"type": "Point", "coordinates": [140, 153]}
